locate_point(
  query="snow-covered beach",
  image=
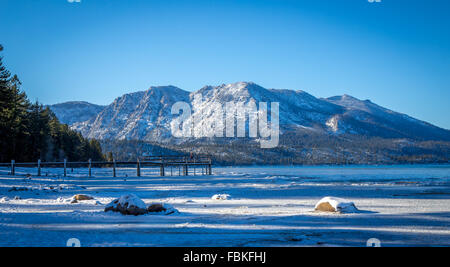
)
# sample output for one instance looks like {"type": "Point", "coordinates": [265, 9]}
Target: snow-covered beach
{"type": "Point", "coordinates": [264, 206]}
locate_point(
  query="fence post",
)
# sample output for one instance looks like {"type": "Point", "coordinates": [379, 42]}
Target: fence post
{"type": "Point", "coordinates": [90, 168]}
{"type": "Point", "coordinates": [65, 167]}
{"type": "Point", "coordinates": [138, 168]}
{"type": "Point", "coordinates": [161, 170]}
{"type": "Point", "coordinates": [210, 166]}
{"type": "Point", "coordinates": [39, 168]}
{"type": "Point", "coordinates": [13, 167]}
{"type": "Point", "coordinates": [114, 168]}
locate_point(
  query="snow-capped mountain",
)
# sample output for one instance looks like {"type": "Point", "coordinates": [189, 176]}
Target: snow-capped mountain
{"type": "Point", "coordinates": [367, 118]}
{"type": "Point", "coordinates": [76, 111]}
{"type": "Point", "coordinates": [139, 116]}
{"type": "Point", "coordinates": [147, 115]}
{"type": "Point", "coordinates": [297, 108]}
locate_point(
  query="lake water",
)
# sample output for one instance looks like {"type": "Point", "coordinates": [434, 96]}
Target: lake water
{"type": "Point", "coordinates": [423, 174]}
{"type": "Point", "coordinates": [400, 173]}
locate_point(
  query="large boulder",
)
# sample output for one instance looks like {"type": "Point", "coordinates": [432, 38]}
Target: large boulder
{"type": "Point", "coordinates": [338, 205]}
{"type": "Point", "coordinates": [127, 205]}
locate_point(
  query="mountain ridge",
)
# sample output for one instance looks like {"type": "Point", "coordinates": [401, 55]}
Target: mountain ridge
{"type": "Point", "coordinates": [145, 115]}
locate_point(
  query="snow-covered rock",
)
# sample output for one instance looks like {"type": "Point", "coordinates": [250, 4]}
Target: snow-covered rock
{"type": "Point", "coordinates": [332, 204]}
{"type": "Point", "coordinates": [75, 199]}
{"type": "Point", "coordinates": [127, 205]}
{"type": "Point", "coordinates": [82, 197]}
{"type": "Point", "coordinates": [221, 197]}
{"type": "Point", "coordinates": [161, 209]}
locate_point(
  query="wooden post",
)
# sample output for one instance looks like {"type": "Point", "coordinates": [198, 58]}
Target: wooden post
{"type": "Point", "coordinates": [186, 170]}
{"type": "Point", "coordinates": [210, 166]}
{"type": "Point", "coordinates": [114, 168]}
{"type": "Point", "coordinates": [90, 168]}
{"type": "Point", "coordinates": [171, 170]}
{"type": "Point", "coordinates": [13, 167]}
{"type": "Point", "coordinates": [138, 168]}
{"type": "Point", "coordinates": [161, 170]}
{"type": "Point", "coordinates": [65, 167]}
{"type": "Point", "coordinates": [39, 168]}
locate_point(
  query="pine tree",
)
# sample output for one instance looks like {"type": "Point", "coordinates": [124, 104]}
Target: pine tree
{"type": "Point", "coordinates": [5, 99]}
{"type": "Point", "coordinates": [30, 131]}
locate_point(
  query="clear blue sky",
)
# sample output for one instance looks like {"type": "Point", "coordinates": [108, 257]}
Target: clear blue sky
{"type": "Point", "coordinates": [395, 53]}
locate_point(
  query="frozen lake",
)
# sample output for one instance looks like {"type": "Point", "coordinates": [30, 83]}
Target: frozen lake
{"type": "Point", "coordinates": [269, 206]}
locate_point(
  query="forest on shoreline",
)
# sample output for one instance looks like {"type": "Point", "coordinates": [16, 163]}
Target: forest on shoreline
{"type": "Point", "coordinates": [29, 131]}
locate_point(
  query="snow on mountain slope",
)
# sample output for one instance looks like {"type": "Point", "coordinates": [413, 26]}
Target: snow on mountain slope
{"type": "Point", "coordinates": [73, 112]}
{"type": "Point", "coordinates": [147, 115]}
{"type": "Point", "coordinates": [365, 117]}
{"type": "Point", "coordinates": [296, 107]}
{"type": "Point", "coordinates": [140, 116]}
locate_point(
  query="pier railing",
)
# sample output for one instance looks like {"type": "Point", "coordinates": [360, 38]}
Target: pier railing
{"type": "Point", "coordinates": [182, 163]}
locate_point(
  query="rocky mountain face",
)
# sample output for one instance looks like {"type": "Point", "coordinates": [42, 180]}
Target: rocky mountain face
{"type": "Point", "coordinates": [137, 116]}
{"type": "Point", "coordinates": [147, 115]}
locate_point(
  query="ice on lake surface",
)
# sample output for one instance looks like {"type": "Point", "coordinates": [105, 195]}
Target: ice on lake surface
{"type": "Point", "coordinates": [270, 206]}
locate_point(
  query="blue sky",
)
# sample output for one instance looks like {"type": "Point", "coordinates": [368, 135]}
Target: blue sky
{"type": "Point", "coordinates": [395, 53]}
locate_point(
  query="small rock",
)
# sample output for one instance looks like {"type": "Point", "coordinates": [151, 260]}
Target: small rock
{"type": "Point", "coordinates": [221, 197]}
{"type": "Point", "coordinates": [162, 209]}
{"type": "Point", "coordinates": [82, 197]}
{"type": "Point", "coordinates": [156, 208]}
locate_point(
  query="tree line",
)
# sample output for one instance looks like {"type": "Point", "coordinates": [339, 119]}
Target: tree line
{"type": "Point", "coordinates": [30, 131]}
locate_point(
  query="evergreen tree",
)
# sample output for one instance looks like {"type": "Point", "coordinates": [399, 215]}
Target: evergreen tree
{"type": "Point", "coordinates": [31, 131]}
{"type": "Point", "coordinates": [5, 99]}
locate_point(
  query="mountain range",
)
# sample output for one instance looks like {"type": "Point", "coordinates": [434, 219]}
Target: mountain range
{"type": "Point", "coordinates": [146, 116]}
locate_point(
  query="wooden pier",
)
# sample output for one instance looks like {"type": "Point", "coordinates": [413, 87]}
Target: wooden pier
{"type": "Point", "coordinates": [181, 163]}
